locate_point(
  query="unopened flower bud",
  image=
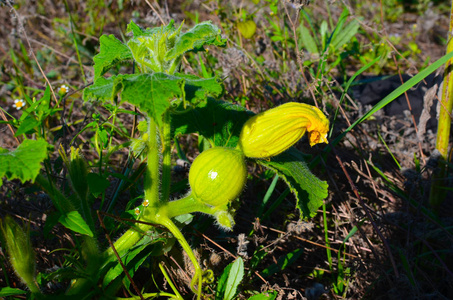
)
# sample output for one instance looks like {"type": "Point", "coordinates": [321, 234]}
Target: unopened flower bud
{"type": "Point", "coordinates": [20, 251]}
{"type": "Point", "coordinates": [274, 131]}
{"type": "Point", "coordinates": [224, 220]}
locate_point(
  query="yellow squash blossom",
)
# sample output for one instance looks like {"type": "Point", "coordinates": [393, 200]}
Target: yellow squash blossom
{"type": "Point", "coordinates": [274, 131]}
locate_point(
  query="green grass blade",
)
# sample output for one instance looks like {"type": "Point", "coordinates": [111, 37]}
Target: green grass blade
{"type": "Point", "coordinates": [398, 92]}
{"type": "Point", "coordinates": [269, 192]}
{"type": "Point", "coordinates": [403, 88]}
{"type": "Point", "coordinates": [348, 84]}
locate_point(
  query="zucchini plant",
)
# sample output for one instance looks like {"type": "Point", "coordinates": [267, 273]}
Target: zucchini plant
{"type": "Point", "coordinates": [172, 103]}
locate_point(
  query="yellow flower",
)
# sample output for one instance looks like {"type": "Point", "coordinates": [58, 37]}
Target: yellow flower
{"type": "Point", "coordinates": [274, 131]}
{"type": "Point", "coordinates": [19, 103]}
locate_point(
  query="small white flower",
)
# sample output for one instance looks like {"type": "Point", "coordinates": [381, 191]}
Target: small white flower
{"type": "Point", "coordinates": [63, 89]}
{"type": "Point", "coordinates": [19, 103]}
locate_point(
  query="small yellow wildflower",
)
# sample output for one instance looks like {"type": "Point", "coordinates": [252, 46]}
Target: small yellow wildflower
{"type": "Point", "coordinates": [137, 211]}
{"type": "Point", "coordinates": [19, 103]}
{"type": "Point", "coordinates": [145, 203]}
{"type": "Point", "coordinates": [274, 131]}
{"type": "Point", "coordinates": [63, 89]}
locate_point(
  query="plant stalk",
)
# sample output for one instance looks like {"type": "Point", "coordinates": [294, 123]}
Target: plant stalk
{"type": "Point", "coordinates": [152, 178]}
{"type": "Point", "coordinates": [197, 278]}
{"type": "Point", "coordinates": [166, 159]}
{"type": "Point", "coordinates": [438, 192]}
{"type": "Point", "coordinates": [153, 215]}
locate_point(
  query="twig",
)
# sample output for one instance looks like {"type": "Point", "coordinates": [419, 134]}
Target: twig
{"type": "Point", "coordinates": [308, 241]}
{"type": "Point", "coordinates": [61, 54]}
{"type": "Point", "coordinates": [155, 11]}
{"type": "Point", "coordinates": [299, 60]}
{"type": "Point", "coordinates": [9, 125]}
{"type": "Point", "coordinates": [410, 109]}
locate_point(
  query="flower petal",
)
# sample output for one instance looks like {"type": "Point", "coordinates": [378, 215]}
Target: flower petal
{"type": "Point", "coordinates": [274, 131]}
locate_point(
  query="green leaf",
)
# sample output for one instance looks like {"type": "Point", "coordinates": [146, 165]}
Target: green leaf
{"type": "Point", "coordinates": [339, 26]}
{"type": "Point", "coordinates": [23, 163]}
{"type": "Point", "coordinates": [234, 278]}
{"type": "Point", "coordinates": [112, 52]}
{"type": "Point", "coordinates": [307, 40]}
{"type": "Point", "coordinates": [247, 28]}
{"type": "Point", "coordinates": [219, 122]}
{"type": "Point", "coordinates": [61, 274]}
{"type": "Point", "coordinates": [27, 125]}
{"type": "Point", "coordinates": [135, 29]}
{"type": "Point", "coordinates": [51, 221]}
{"type": "Point", "coordinates": [161, 49]}
{"type": "Point", "coordinates": [323, 32]}
{"type": "Point", "coordinates": [150, 46]}
{"type": "Point", "coordinates": [97, 183]}
{"type": "Point", "coordinates": [257, 257]}
{"type": "Point", "coordinates": [133, 258]}
{"type": "Point", "coordinates": [40, 108]}
{"type": "Point", "coordinates": [265, 296]}
{"type": "Point", "coordinates": [154, 93]}
{"type": "Point", "coordinates": [7, 291]}
{"type": "Point", "coordinates": [309, 190]}
{"type": "Point", "coordinates": [202, 34]}
{"type": "Point", "coordinates": [283, 262]}
{"type": "Point", "coordinates": [345, 34]}
{"type": "Point", "coordinates": [75, 222]}
{"type": "Point", "coordinates": [221, 283]}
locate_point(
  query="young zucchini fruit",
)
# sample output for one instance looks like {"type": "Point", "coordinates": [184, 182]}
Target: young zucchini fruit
{"type": "Point", "coordinates": [218, 175]}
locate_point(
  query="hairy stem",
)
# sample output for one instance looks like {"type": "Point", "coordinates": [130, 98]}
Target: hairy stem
{"type": "Point", "coordinates": [166, 160]}
{"type": "Point", "coordinates": [197, 278]}
{"type": "Point", "coordinates": [151, 183]}
{"type": "Point", "coordinates": [438, 192]}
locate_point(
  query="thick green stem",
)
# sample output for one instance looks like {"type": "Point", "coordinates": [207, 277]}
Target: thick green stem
{"type": "Point", "coordinates": [177, 295]}
{"type": "Point", "coordinates": [128, 239]}
{"type": "Point", "coordinates": [151, 185]}
{"type": "Point", "coordinates": [154, 214]}
{"type": "Point", "coordinates": [438, 191]}
{"type": "Point", "coordinates": [182, 206]}
{"type": "Point", "coordinates": [197, 278]}
{"type": "Point", "coordinates": [166, 159]}
{"type": "Point", "coordinates": [151, 181]}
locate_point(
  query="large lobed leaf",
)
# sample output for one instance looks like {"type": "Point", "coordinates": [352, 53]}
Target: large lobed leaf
{"type": "Point", "coordinates": [193, 40]}
{"type": "Point", "coordinates": [159, 49]}
{"type": "Point", "coordinates": [221, 122]}
{"type": "Point", "coordinates": [24, 163]}
{"type": "Point", "coordinates": [112, 51]}
{"type": "Point", "coordinates": [309, 190]}
{"type": "Point", "coordinates": [154, 93]}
